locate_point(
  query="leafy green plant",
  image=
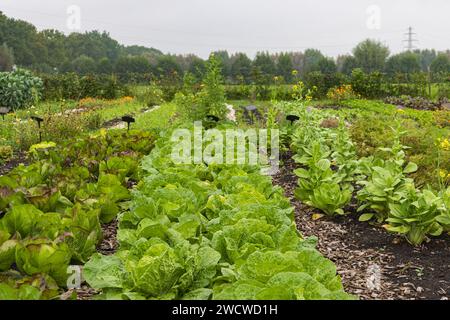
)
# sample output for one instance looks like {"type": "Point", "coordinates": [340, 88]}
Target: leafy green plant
{"type": "Point", "coordinates": [19, 89]}
{"type": "Point", "coordinates": [303, 275]}
{"type": "Point", "coordinates": [51, 209]}
{"type": "Point", "coordinates": [197, 232]}
{"type": "Point", "coordinates": [311, 179]}
{"type": "Point", "coordinates": [344, 155]}
{"type": "Point", "coordinates": [444, 217]}
{"type": "Point", "coordinates": [44, 256]}
{"type": "Point", "coordinates": [386, 185]}
{"type": "Point", "coordinates": [330, 198]}
{"type": "Point", "coordinates": [14, 286]}
{"type": "Point", "coordinates": [415, 216]}
{"type": "Point", "coordinates": [387, 182]}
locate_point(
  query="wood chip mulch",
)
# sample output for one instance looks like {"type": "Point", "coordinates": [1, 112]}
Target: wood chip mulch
{"type": "Point", "coordinates": [109, 244]}
{"type": "Point", "coordinates": [362, 251]}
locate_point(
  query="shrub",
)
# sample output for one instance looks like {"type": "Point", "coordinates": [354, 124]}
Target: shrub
{"type": "Point", "coordinates": [75, 87]}
{"type": "Point", "coordinates": [19, 89]}
{"type": "Point", "coordinates": [344, 92]}
{"type": "Point", "coordinates": [151, 96]}
{"type": "Point", "coordinates": [368, 85]}
{"type": "Point", "coordinates": [323, 82]}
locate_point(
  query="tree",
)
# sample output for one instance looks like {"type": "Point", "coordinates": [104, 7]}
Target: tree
{"type": "Point", "coordinates": [297, 60]}
{"type": "Point", "coordinates": [311, 60]}
{"type": "Point", "coordinates": [105, 66]}
{"type": "Point", "coordinates": [426, 57]}
{"type": "Point", "coordinates": [406, 62]}
{"type": "Point", "coordinates": [327, 66]}
{"type": "Point", "coordinates": [371, 56]}
{"type": "Point", "coordinates": [56, 51]}
{"type": "Point", "coordinates": [6, 58]}
{"type": "Point", "coordinates": [83, 65]}
{"type": "Point", "coordinates": [346, 64]}
{"type": "Point", "coordinates": [168, 66]}
{"type": "Point", "coordinates": [285, 66]}
{"type": "Point", "coordinates": [197, 68]}
{"type": "Point", "coordinates": [441, 64]}
{"type": "Point", "coordinates": [265, 64]}
{"type": "Point", "coordinates": [225, 62]}
{"type": "Point", "coordinates": [22, 38]}
{"type": "Point", "coordinates": [213, 93]}
{"type": "Point", "coordinates": [241, 68]}
{"type": "Point", "coordinates": [133, 65]}
{"type": "Point", "coordinates": [141, 51]}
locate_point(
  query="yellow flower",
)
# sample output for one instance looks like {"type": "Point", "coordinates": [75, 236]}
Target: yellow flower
{"type": "Point", "coordinates": [444, 144]}
{"type": "Point", "coordinates": [443, 173]}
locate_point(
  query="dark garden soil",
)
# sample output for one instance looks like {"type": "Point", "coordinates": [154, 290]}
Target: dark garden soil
{"type": "Point", "coordinates": [14, 162]}
{"type": "Point", "coordinates": [109, 244]}
{"type": "Point", "coordinates": [358, 248]}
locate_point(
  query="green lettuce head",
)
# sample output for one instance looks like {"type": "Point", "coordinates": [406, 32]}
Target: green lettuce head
{"type": "Point", "coordinates": [44, 256]}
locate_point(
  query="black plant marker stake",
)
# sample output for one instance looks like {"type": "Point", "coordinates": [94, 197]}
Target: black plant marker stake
{"type": "Point", "coordinates": [128, 120]}
{"type": "Point", "coordinates": [39, 121]}
{"type": "Point", "coordinates": [292, 118]}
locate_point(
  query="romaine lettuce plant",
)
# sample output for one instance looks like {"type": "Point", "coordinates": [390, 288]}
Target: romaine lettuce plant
{"type": "Point", "coordinates": [415, 216]}
{"type": "Point", "coordinates": [387, 185]}
{"type": "Point", "coordinates": [44, 256]}
{"type": "Point", "coordinates": [330, 198]}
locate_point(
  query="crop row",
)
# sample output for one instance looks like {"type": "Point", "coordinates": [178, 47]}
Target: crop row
{"type": "Point", "coordinates": [210, 232]}
{"type": "Point", "coordinates": [51, 211]}
{"type": "Point", "coordinates": [331, 177]}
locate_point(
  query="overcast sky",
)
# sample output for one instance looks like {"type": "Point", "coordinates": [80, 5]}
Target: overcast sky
{"type": "Point", "coordinates": [202, 26]}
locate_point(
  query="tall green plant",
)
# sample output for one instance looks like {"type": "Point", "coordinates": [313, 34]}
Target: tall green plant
{"type": "Point", "coordinates": [19, 89]}
{"type": "Point", "coordinates": [212, 96]}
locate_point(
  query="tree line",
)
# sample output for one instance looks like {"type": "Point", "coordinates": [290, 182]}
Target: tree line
{"type": "Point", "coordinates": [50, 51]}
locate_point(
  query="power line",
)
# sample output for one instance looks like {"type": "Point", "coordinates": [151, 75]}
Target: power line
{"type": "Point", "coordinates": [410, 39]}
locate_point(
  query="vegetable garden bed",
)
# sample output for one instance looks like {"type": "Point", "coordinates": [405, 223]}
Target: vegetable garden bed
{"type": "Point", "coordinates": [406, 272]}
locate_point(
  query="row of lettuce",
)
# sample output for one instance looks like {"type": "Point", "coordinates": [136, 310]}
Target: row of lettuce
{"type": "Point", "coordinates": [51, 211]}
{"type": "Point", "coordinates": [210, 232]}
{"type": "Point", "coordinates": [334, 179]}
